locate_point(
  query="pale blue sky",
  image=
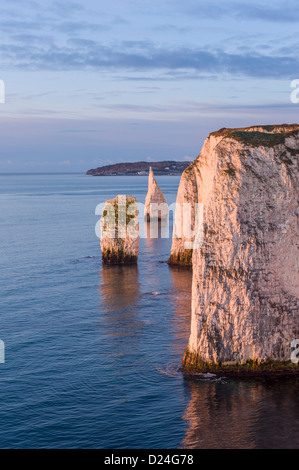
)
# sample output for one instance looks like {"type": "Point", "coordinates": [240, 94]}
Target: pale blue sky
{"type": "Point", "coordinates": [90, 83]}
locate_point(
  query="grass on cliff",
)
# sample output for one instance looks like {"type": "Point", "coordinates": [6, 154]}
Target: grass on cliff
{"type": "Point", "coordinates": [257, 138]}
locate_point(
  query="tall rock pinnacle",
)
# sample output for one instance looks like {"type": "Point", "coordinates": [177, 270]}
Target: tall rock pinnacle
{"type": "Point", "coordinates": [155, 204]}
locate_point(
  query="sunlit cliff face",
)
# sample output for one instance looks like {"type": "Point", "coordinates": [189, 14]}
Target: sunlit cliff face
{"type": "Point", "coordinates": [245, 296]}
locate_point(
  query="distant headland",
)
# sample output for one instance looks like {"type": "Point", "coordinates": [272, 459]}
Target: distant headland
{"type": "Point", "coordinates": [140, 168]}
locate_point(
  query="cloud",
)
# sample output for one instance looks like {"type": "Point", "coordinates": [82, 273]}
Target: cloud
{"type": "Point", "coordinates": [172, 28]}
{"type": "Point", "coordinates": [77, 26]}
{"type": "Point", "coordinates": [80, 131]}
{"type": "Point", "coordinates": [197, 108]}
{"type": "Point", "coordinates": [146, 56]}
{"type": "Point", "coordinates": [32, 38]}
{"type": "Point", "coordinates": [15, 25]}
{"type": "Point", "coordinates": [66, 7]}
{"type": "Point", "coordinates": [286, 12]}
{"type": "Point", "coordinates": [59, 36]}
{"type": "Point", "coordinates": [282, 12]}
{"type": "Point", "coordinates": [275, 11]}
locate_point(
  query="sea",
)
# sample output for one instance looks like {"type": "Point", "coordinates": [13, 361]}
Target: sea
{"type": "Point", "coordinates": [93, 353]}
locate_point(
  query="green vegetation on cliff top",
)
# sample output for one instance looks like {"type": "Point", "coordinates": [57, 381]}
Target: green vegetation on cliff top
{"type": "Point", "coordinates": [268, 136]}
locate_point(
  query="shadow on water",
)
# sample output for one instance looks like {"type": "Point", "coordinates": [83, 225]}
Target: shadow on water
{"type": "Point", "coordinates": [181, 298]}
{"type": "Point", "coordinates": [242, 414]}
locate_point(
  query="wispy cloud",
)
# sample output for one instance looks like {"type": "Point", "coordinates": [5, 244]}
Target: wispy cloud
{"type": "Point", "coordinates": [197, 108]}
{"type": "Point", "coordinates": [57, 36]}
{"type": "Point", "coordinates": [148, 57]}
{"type": "Point", "coordinates": [278, 12]}
{"type": "Point", "coordinates": [80, 131]}
{"type": "Point", "coordinates": [79, 26]}
{"type": "Point", "coordinates": [67, 7]}
{"type": "Point", "coordinates": [284, 12]}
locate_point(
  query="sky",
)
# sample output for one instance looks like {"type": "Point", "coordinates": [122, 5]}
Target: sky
{"type": "Point", "coordinates": [95, 82]}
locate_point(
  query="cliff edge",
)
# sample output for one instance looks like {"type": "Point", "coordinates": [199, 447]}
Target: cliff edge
{"type": "Point", "coordinates": [245, 291]}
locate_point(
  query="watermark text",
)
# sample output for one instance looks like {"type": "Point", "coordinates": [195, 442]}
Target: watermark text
{"type": "Point", "coordinates": [295, 93]}
{"type": "Point", "coordinates": [295, 353]}
{"type": "Point", "coordinates": [2, 352]}
{"type": "Point", "coordinates": [2, 92]}
{"type": "Point", "coordinates": [123, 219]}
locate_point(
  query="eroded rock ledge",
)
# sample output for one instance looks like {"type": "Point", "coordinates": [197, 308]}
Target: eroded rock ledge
{"type": "Point", "coordinates": [245, 293]}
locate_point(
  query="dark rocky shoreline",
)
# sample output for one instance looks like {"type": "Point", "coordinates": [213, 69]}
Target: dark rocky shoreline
{"type": "Point", "coordinates": [140, 169]}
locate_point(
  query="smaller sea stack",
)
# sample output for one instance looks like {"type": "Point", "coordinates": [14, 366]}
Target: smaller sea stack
{"type": "Point", "coordinates": [155, 204]}
{"type": "Point", "coordinates": [120, 231]}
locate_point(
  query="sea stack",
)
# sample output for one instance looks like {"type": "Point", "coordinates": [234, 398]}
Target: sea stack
{"type": "Point", "coordinates": [245, 288]}
{"type": "Point", "coordinates": [155, 204]}
{"type": "Point", "coordinates": [185, 219]}
{"type": "Point", "coordinates": [120, 231]}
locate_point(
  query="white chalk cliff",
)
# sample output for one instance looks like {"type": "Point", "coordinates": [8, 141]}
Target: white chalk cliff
{"type": "Point", "coordinates": [245, 292]}
{"type": "Point", "coordinates": [155, 204]}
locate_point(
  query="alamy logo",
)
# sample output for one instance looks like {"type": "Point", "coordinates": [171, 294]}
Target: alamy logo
{"type": "Point", "coordinates": [295, 93]}
{"type": "Point", "coordinates": [2, 352]}
{"type": "Point", "coordinates": [2, 92]}
{"type": "Point", "coordinates": [126, 219]}
{"type": "Point", "coordinates": [295, 354]}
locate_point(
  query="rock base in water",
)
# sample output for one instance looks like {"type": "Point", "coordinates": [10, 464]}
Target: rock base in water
{"type": "Point", "coordinates": [181, 259]}
{"type": "Point", "coordinates": [192, 364]}
{"type": "Point", "coordinates": [118, 257]}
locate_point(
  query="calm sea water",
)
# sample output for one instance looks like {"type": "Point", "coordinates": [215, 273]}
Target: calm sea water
{"type": "Point", "coordinates": [93, 353]}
